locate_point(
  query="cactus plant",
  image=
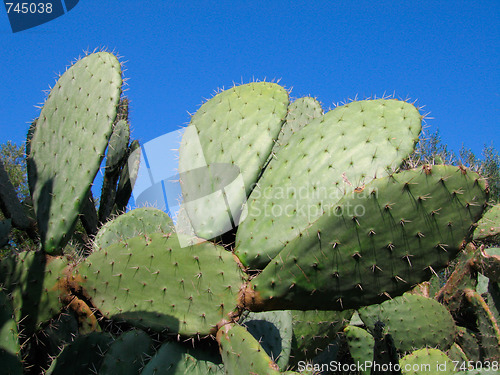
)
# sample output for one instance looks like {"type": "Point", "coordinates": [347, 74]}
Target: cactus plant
{"type": "Point", "coordinates": [254, 114]}
{"type": "Point", "coordinates": [150, 281]}
{"type": "Point", "coordinates": [240, 350]}
{"type": "Point", "coordinates": [346, 227]}
{"type": "Point", "coordinates": [331, 156]}
{"type": "Point", "coordinates": [127, 353]}
{"type": "Point", "coordinates": [488, 227]}
{"type": "Point", "coordinates": [409, 228]}
{"type": "Point", "coordinates": [426, 361]}
{"type": "Point", "coordinates": [413, 321]}
{"type": "Point", "coordinates": [68, 143]}
{"type": "Point", "coordinates": [273, 330]}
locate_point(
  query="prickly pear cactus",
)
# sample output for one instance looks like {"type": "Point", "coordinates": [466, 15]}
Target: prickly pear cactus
{"type": "Point", "coordinates": [273, 330]}
{"type": "Point", "coordinates": [333, 155]}
{"type": "Point", "coordinates": [375, 244]}
{"type": "Point", "coordinates": [211, 162]}
{"type": "Point", "coordinates": [69, 142]}
{"type": "Point", "coordinates": [174, 359]}
{"type": "Point", "coordinates": [426, 361]}
{"type": "Point", "coordinates": [413, 321]}
{"type": "Point", "coordinates": [488, 227]}
{"type": "Point", "coordinates": [242, 353]}
{"type": "Point", "coordinates": [10, 347]}
{"type": "Point", "coordinates": [127, 353]}
{"type": "Point", "coordinates": [35, 282]}
{"type": "Point", "coordinates": [361, 345]}
{"type": "Point", "coordinates": [141, 221]}
{"type": "Point", "coordinates": [300, 113]}
{"type": "Point", "coordinates": [83, 355]}
{"type": "Point", "coordinates": [310, 214]}
{"type": "Point", "coordinates": [150, 281]}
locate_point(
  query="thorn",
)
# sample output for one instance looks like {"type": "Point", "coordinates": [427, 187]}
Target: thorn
{"type": "Point", "coordinates": [397, 278]}
{"type": "Point", "coordinates": [434, 272]}
{"type": "Point", "coordinates": [407, 257]}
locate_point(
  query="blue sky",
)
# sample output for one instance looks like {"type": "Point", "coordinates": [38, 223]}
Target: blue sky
{"type": "Point", "coordinates": [445, 54]}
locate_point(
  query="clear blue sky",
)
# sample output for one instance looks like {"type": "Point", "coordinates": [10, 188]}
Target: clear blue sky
{"type": "Point", "coordinates": [445, 54]}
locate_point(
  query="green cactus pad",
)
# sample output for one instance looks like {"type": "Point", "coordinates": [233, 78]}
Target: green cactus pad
{"type": "Point", "coordinates": [427, 361]}
{"type": "Point", "coordinates": [235, 128]}
{"type": "Point", "coordinates": [457, 354]}
{"type": "Point", "coordinates": [141, 221]}
{"type": "Point", "coordinates": [69, 142]}
{"type": "Point", "coordinates": [375, 244]}
{"type": "Point", "coordinates": [413, 321]}
{"type": "Point", "coordinates": [9, 335]}
{"type": "Point", "coordinates": [300, 113]}
{"type": "Point", "coordinates": [118, 144]}
{"type": "Point", "coordinates": [313, 330]}
{"type": "Point", "coordinates": [128, 176]}
{"type": "Point", "coordinates": [60, 331]}
{"type": "Point", "coordinates": [9, 202]}
{"type": "Point", "coordinates": [150, 281]}
{"type": "Point", "coordinates": [36, 283]}
{"type": "Point", "coordinates": [487, 325]}
{"type": "Point", "coordinates": [331, 156]}
{"type": "Point", "coordinates": [242, 353]}
{"type": "Point", "coordinates": [174, 359]}
{"type": "Point", "coordinates": [127, 354]}
{"type": "Point", "coordinates": [361, 345]}
{"type": "Point", "coordinates": [489, 263]}
{"type": "Point", "coordinates": [273, 329]}
{"type": "Point", "coordinates": [82, 356]}
{"type": "Point", "coordinates": [115, 159]}
{"type": "Point", "coordinates": [488, 228]}
{"type": "Point", "coordinates": [468, 342]}
{"type": "Point", "coordinates": [10, 349]}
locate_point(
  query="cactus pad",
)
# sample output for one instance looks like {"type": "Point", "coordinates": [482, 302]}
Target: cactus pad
{"type": "Point", "coordinates": [300, 113]}
{"type": "Point", "coordinates": [69, 142]}
{"type": "Point", "coordinates": [127, 353]}
{"type": "Point", "coordinates": [82, 356]}
{"type": "Point", "coordinates": [375, 244]}
{"type": "Point", "coordinates": [252, 114]}
{"type": "Point", "coordinates": [242, 353]}
{"type": "Point", "coordinates": [426, 361]}
{"type": "Point", "coordinates": [150, 281]}
{"type": "Point", "coordinates": [141, 221]}
{"type": "Point", "coordinates": [361, 345]}
{"type": "Point", "coordinates": [36, 282]}
{"type": "Point", "coordinates": [488, 228]}
{"type": "Point", "coordinates": [174, 359]}
{"type": "Point", "coordinates": [331, 156]}
{"type": "Point", "coordinates": [273, 329]}
{"type": "Point", "coordinates": [10, 348]}
{"type": "Point", "coordinates": [413, 321]}
{"type": "Point", "coordinates": [313, 330]}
